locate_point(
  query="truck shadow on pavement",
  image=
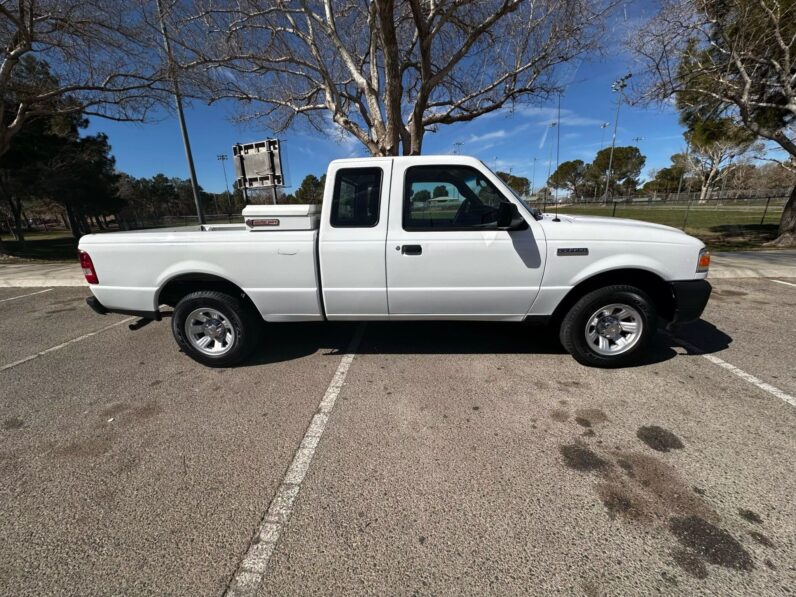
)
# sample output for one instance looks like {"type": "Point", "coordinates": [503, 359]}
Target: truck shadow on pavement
{"type": "Point", "coordinates": [705, 336]}
{"type": "Point", "coordinates": [284, 342]}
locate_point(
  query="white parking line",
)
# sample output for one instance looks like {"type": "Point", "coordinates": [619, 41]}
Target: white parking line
{"type": "Point", "coordinates": [251, 570]}
{"type": "Point", "coordinates": [785, 283]}
{"type": "Point", "coordinates": [767, 387]}
{"type": "Point", "coordinates": [13, 298]}
{"type": "Point", "coordinates": [63, 345]}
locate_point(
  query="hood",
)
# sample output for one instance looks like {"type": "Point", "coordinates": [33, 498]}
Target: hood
{"type": "Point", "coordinates": [600, 228]}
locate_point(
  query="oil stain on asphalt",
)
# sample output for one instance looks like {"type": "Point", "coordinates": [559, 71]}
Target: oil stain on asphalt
{"type": "Point", "coordinates": [12, 423]}
{"type": "Point", "coordinates": [642, 489]}
{"type": "Point", "coordinates": [711, 543]}
{"type": "Point", "coordinates": [750, 516]}
{"type": "Point", "coordinates": [659, 439]}
{"type": "Point", "coordinates": [582, 458]}
{"type": "Point", "coordinates": [588, 417]}
{"type": "Point", "coordinates": [761, 539]}
{"type": "Point", "coordinates": [690, 563]}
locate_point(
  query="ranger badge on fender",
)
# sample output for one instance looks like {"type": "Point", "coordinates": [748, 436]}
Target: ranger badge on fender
{"type": "Point", "coordinates": [571, 252]}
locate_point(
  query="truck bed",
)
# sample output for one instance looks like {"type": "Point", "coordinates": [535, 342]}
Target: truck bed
{"type": "Point", "coordinates": [276, 269]}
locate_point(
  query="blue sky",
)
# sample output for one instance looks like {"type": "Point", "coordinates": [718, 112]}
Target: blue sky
{"type": "Point", "coordinates": [508, 140]}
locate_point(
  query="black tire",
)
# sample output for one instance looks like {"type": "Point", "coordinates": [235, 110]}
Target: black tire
{"type": "Point", "coordinates": [244, 321]}
{"type": "Point", "coordinates": [574, 325]}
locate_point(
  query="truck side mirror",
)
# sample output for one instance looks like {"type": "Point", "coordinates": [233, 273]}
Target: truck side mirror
{"type": "Point", "coordinates": [509, 217]}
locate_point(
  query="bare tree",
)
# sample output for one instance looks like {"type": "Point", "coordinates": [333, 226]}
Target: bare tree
{"type": "Point", "coordinates": [97, 57]}
{"type": "Point", "coordinates": [733, 58]}
{"type": "Point", "coordinates": [385, 71]}
{"type": "Point", "coordinates": [717, 146]}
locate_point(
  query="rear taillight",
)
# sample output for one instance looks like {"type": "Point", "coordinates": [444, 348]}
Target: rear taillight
{"type": "Point", "coordinates": [88, 268]}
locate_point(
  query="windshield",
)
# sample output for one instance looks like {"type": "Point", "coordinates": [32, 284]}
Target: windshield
{"type": "Point", "coordinates": [536, 213]}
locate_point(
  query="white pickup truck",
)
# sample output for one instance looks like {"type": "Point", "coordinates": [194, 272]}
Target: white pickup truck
{"type": "Point", "coordinates": [405, 238]}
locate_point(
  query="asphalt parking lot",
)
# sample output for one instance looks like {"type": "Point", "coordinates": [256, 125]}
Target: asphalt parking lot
{"type": "Point", "coordinates": [454, 458]}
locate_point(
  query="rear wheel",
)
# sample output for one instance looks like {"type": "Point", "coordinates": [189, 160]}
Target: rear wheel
{"type": "Point", "coordinates": [215, 328]}
{"type": "Point", "coordinates": [609, 327]}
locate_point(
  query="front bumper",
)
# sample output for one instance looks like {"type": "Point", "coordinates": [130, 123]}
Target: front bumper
{"type": "Point", "coordinates": [690, 298]}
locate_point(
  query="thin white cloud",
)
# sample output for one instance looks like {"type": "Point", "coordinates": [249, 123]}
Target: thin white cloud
{"type": "Point", "coordinates": [498, 134]}
{"type": "Point", "coordinates": [542, 115]}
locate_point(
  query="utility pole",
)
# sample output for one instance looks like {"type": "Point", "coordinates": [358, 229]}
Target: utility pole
{"type": "Point", "coordinates": [618, 86]}
{"type": "Point", "coordinates": [181, 116]}
{"type": "Point", "coordinates": [558, 142]}
{"type": "Point", "coordinates": [533, 178]}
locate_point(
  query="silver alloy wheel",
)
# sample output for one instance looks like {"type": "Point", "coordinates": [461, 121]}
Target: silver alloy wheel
{"type": "Point", "coordinates": [614, 329]}
{"type": "Point", "coordinates": [209, 331]}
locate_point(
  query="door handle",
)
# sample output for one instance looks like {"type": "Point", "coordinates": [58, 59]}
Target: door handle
{"type": "Point", "coordinates": [411, 250]}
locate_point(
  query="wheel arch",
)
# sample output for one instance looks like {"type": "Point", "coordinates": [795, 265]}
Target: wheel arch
{"type": "Point", "coordinates": [659, 291]}
{"type": "Point", "coordinates": [176, 287]}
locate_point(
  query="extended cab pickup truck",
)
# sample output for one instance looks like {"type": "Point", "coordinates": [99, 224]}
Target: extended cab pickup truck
{"type": "Point", "coordinates": [405, 238]}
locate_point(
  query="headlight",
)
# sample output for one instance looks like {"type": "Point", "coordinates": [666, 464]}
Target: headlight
{"type": "Point", "coordinates": [703, 263]}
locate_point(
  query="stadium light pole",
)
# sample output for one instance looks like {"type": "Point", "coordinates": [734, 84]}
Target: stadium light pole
{"type": "Point", "coordinates": [558, 142]}
{"type": "Point", "coordinates": [603, 126]}
{"type": "Point", "coordinates": [550, 159]}
{"type": "Point", "coordinates": [618, 86]}
{"type": "Point", "coordinates": [222, 157]}
{"type": "Point", "coordinates": [180, 115]}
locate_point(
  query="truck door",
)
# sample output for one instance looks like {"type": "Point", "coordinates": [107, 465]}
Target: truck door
{"type": "Point", "coordinates": [352, 240]}
{"type": "Point", "coordinates": [445, 256]}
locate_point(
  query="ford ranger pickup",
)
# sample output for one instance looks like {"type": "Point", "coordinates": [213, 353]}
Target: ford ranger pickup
{"type": "Point", "coordinates": [405, 238]}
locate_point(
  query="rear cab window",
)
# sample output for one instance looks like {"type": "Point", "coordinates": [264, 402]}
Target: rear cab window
{"type": "Point", "coordinates": [356, 198]}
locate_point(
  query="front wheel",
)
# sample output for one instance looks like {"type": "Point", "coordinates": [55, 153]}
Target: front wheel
{"type": "Point", "coordinates": [609, 327]}
{"type": "Point", "coordinates": [214, 328]}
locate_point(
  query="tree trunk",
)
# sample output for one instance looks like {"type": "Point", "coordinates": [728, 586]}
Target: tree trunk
{"type": "Point", "coordinates": [16, 213]}
{"type": "Point", "coordinates": [85, 225]}
{"type": "Point", "coordinates": [786, 236]}
{"type": "Point", "coordinates": [74, 224]}
{"type": "Point", "coordinates": [20, 227]}
{"type": "Point", "coordinates": [703, 193]}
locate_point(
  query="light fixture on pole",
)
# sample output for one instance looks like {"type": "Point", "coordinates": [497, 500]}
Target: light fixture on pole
{"type": "Point", "coordinates": [618, 86]}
